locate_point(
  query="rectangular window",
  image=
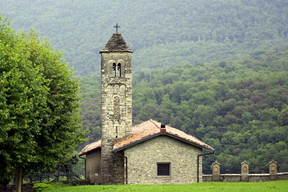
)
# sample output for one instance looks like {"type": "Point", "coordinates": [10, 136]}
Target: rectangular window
{"type": "Point", "coordinates": [163, 169]}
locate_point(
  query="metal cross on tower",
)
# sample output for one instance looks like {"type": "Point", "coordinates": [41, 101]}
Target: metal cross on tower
{"type": "Point", "coordinates": [116, 27]}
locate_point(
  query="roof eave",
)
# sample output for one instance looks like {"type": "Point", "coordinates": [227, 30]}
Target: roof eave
{"type": "Point", "coordinates": [85, 153]}
{"type": "Point", "coordinates": [158, 134]}
{"type": "Point", "coordinates": [136, 142]}
{"type": "Point", "coordinates": [189, 142]}
{"type": "Point", "coordinates": [115, 51]}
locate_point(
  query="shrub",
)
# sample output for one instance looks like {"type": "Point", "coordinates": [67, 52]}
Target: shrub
{"type": "Point", "coordinates": [42, 186]}
{"type": "Point", "coordinates": [50, 185]}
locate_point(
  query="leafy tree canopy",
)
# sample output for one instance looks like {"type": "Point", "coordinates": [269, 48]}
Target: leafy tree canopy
{"type": "Point", "coordinates": [39, 104]}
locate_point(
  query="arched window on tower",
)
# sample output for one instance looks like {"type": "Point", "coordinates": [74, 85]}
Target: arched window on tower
{"type": "Point", "coordinates": [114, 70]}
{"type": "Point", "coordinates": [119, 70]}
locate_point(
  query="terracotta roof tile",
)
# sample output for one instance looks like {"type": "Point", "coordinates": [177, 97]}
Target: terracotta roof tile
{"type": "Point", "coordinates": [139, 132]}
{"type": "Point", "coordinates": [90, 147]}
{"type": "Point", "coordinates": [152, 127]}
{"type": "Point", "coordinates": [144, 131]}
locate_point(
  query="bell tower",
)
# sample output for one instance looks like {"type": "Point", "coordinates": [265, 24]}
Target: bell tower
{"type": "Point", "coordinates": [116, 105]}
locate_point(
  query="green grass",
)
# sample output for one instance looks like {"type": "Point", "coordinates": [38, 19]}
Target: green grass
{"type": "Point", "coordinates": [202, 187]}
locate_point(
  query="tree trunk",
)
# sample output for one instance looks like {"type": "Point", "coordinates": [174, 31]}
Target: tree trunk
{"type": "Point", "coordinates": [19, 176]}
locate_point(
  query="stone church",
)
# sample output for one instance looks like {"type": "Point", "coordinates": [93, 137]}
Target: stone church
{"type": "Point", "coordinates": [148, 153]}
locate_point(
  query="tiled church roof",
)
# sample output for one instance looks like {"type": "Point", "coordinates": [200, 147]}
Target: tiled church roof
{"type": "Point", "coordinates": [147, 130]}
{"type": "Point", "coordinates": [116, 44]}
{"type": "Point", "coordinates": [90, 147]}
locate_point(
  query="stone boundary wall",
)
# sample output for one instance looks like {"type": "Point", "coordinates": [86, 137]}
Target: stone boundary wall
{"type": "Point", "coordinates": [28, 187]}
{"type": "Point", "coordinates": [252, 177]}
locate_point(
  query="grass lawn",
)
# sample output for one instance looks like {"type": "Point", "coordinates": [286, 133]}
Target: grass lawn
{"type": "Point", "coordinates": [201, 187]}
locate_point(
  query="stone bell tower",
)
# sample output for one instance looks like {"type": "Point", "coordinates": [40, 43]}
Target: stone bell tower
{"type": "Point", "coordinates": [116, 105]}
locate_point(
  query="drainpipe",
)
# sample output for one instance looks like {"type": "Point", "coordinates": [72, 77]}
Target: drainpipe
{"type": "Point", "coordinates": [85, 165]}
{"type": "Point", "coordinates": [198, 163]}
{"type": "Point", "coordinates": [126, 165]}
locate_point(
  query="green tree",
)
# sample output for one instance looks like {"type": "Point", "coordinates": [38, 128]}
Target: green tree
{"type": "Point", "coordinates": [283, 117]}
{"type": "Point", "coordinates": [39, 106]}
{"type": "Point", "coordinates": [246, 117]}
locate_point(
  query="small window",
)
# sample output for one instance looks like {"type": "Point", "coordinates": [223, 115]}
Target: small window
{"type": "Point", "coordinates": [163, 169]}
{"type": "Point", "coordinates": [119, 70]}
{"type": "Point", "coordinates": [114, 70]}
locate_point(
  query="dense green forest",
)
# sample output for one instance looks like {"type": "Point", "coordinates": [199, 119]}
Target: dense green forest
{"type": "Point", "coordinates": [238, 106]}
{"type": "Point", "coordinates": [162, 33]}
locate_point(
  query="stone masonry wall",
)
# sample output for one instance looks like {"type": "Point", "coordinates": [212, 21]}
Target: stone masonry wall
{"type": "Point", "coordinates": [116, 95]}
{"type": "Point", "coordinates": [112, 169]}
{"type": "Point", "coordinates": [252, 177]}
{"type": "Point", "coordinates": [116, 114]}
{"type": "Point", "coordinates": [143, 159]}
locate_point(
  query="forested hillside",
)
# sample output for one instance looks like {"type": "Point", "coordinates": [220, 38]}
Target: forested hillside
{"type": "Point", "coordinates": [237, 103]}
{"type": "Point", "coordinates": [162, 33]}
{"type": "Point", "coordinates": [238, 106]}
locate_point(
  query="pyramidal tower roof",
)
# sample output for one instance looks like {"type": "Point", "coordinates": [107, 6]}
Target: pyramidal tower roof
{"type": "Point", "coordinates": [116, 44]}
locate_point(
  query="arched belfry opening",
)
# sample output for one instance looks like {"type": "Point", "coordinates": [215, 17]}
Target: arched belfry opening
{"type": "Point", "coordinates": [114, 70]}
{"type": "Point", "coordinates": [119, 70]}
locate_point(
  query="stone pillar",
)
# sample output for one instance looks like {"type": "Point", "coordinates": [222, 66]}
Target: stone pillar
{"type": "Point", "coordinates": [245, 171]}
{"type": "Point", "coordinates": [273, 170]}
{"type": "Point", "coordinates": [216, 171]}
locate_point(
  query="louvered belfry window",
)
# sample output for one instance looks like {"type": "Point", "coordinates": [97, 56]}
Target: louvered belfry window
{"type": "Point", "coordinates": [163, 169]}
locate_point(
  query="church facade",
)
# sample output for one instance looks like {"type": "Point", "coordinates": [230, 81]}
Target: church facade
{"type": "Point", "coordinates": [148, 153]}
